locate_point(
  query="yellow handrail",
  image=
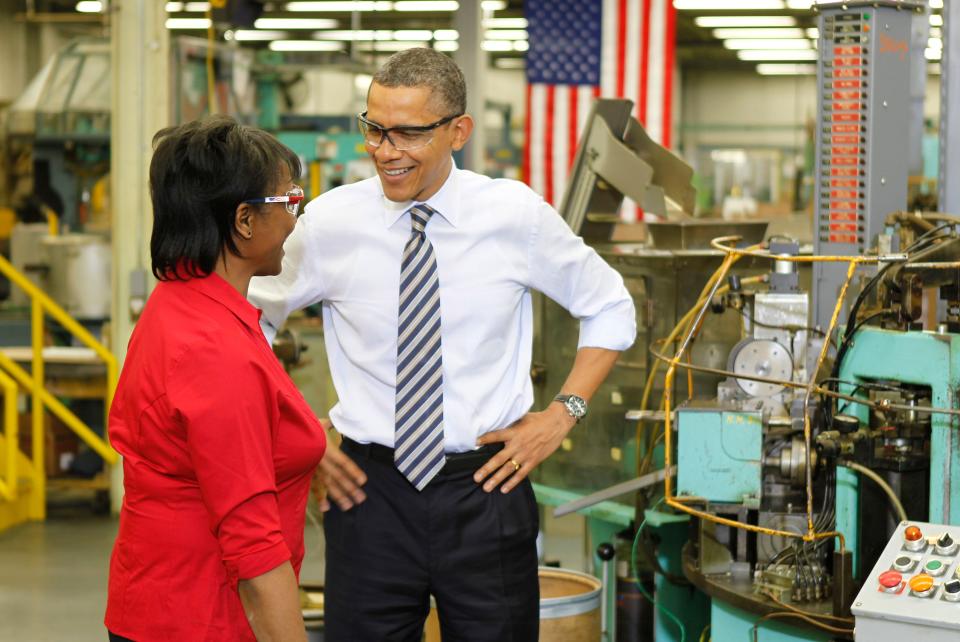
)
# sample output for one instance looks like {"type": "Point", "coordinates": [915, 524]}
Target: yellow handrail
{"type": "Point", "coordinates": [33, 382]}
{"type": "Point", "coordinates": [8, 486]}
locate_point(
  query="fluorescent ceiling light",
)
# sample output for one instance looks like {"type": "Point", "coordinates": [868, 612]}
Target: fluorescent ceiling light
{"type": "Point", "coordinates": [446, 45]}
{"type": "Point", "coordinates": [304, 45]}
{"type": "Point", "coordinates": [348, 34]}
{"type": "Point", "coordinates": [190, 7]}
{"type": "Point", "coordinates": [935, 43]}
{"type": "Point", "coordinates": [426, 5]}
{"type": "Point", "coordinates": [252, 35]}
{"type": "Point", "coordinates": [505, 34]}
{"type": "Point", "coordinates": [813, 33]}
{"type": "Point", "coordinates": [727, 5]}
{"type": "Point", "coordinates": [777, 54]}
{"type": "Point", "coordinates": [510, 63]}
{"type": "Point", "coordinates": [345, 6]}
{"type": "Point", "coordinates": [751, 43]}
{"type": "Point", "coordinates": [936, 32]}
{"type": "Point", "coordinates": [296, 23]}
{"type": "Point", "coordinates": [783, 32]}
{"type": "Point", "coordinates": [493, 5]}
{"type": "Point", "coordinates": [799, 4]}
{"type": "Point", "coordinates": [446, 34]}
{"type": "Point", "coordinates": [936, 20]}
{"type": "Point", "coordinates": [766, 69]}
{"type": "Point", "coordinates": [932, 54]}
{"type": "Point", "coordinates": [936, 4]}
{"type": "Point", "coordinates": [187, 23]}
{"type": "Point", "coordinates": [745, 21]}
{"type": "Point", "coordinates": [497, 45]}
{"type": "Point", "coordinates": [409, 35]}
{"type": "Point", "coordinates": [521, 45]}
{"type": "Point", "coordinates": [90, 6]}
{"type": "Point", "coordinates": [392, 45]}
{"type": "Point", "coordinates": [505, 23]}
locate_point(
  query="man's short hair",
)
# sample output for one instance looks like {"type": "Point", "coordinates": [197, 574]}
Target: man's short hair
{"type": "Point", "coordinates": [423, 67]}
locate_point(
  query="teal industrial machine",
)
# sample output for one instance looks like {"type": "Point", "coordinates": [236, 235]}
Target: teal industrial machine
{"type": "Point", "coordinates": [818, 419]}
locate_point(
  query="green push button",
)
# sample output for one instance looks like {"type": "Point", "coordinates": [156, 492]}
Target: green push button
{"type": "Point", "coordinates": [934, 567]}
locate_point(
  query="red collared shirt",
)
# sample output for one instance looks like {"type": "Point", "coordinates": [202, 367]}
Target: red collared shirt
{"type": "Point", "coordinates": [218, 451]}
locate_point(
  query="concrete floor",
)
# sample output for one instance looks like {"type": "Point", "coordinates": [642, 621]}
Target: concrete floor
{"type": "Point", "coordinates": [53, 574]}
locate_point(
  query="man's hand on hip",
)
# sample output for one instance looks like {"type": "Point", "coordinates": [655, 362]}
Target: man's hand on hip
{"type": "Point", "coordinates": [339, 479]}
{"type": "Point", "coordinates": [526, 443]}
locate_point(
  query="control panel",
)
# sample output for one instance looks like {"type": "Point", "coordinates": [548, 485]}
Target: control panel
{"type": "Point", "coordinates": [914, 586]}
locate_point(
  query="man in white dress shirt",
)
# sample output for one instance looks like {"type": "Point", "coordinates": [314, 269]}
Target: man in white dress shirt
{"type": "Point", "coordinates": [430, 490]}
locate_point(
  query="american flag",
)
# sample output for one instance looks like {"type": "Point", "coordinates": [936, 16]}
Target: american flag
{"type": "Point", "coordinates": [584, 49]}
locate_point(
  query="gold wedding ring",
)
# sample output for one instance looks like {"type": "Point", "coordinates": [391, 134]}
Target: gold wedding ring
{"type": "Point", "coordinates": [516, 466]}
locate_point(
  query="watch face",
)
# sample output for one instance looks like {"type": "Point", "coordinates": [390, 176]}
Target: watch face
{"type": "Point", "coordinates": [576, 406]}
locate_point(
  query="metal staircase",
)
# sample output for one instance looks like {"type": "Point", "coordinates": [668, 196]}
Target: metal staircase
{"type": "Point", "coordinates": [23, 478]}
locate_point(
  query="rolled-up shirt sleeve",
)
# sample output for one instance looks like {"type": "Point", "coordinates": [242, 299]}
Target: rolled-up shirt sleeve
{"type": "Point", "coordinates": [225, 407]}
{"type": "Point", "coordinates": [299, 283]}
{"type": "Point", "coordinates": [565, 269]}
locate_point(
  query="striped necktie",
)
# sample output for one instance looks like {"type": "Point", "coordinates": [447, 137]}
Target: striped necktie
{"type": "Point", "coordinates": [418, 446]}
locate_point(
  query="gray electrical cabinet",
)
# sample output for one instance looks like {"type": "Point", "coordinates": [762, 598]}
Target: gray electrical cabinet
{"type": "Point", "coordinates": [861, 137]}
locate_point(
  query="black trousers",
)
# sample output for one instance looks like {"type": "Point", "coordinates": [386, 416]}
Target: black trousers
{"type": "Point", "coordinates": [475, 552]}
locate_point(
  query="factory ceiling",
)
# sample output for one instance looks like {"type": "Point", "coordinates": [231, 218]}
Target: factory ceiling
{"type": "Point", "coordinates": [711, 34]}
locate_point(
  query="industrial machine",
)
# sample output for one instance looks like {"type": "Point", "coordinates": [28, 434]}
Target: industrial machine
{"type": "Point", "coordinates": [806, 425]}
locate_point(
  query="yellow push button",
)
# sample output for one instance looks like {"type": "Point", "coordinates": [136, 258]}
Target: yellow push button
{"type": "Point", "coordinates": [921, 583]}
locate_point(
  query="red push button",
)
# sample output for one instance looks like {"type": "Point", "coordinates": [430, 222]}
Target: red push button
{"type": "Point", "coordinates": [890, 579]}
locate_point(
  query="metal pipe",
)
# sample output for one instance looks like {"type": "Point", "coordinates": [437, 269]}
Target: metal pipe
{"type": "Point", "coordinates": [882, 483]}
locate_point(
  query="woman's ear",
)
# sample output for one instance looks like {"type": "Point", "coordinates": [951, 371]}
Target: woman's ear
{"type": "Point", "coordinates": [243, 221]}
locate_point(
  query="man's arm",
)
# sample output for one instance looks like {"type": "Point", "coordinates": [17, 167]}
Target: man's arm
{"type": "Point", "coordinates": [298, 285]}
{"type": "Point", "coordinates": [568, 271]}
{"type": "Point", "coordinates": [538, 434]}
{"type": "Point", "coordinates": [272, 604]}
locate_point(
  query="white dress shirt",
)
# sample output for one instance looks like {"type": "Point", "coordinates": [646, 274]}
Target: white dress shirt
{"type": "Point", "coordinates": [495, 240]}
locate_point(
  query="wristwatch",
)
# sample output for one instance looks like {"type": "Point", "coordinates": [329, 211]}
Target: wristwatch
{"type": "Point", "coordinates": [576, 406]}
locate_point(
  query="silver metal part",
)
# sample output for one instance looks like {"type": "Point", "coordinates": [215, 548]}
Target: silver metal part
{"type": "Point", "coordinates": [614, 491]}
{"type": "Point", "coordinates": [761, 358]}
{"type": "Point", "coordinates": [792, 462]}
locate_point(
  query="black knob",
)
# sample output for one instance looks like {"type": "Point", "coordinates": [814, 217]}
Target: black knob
{"type": "Point", "coordinates": [606, 552]}
{"type": "Point", "coordinates": [945, 540]}
{"type": "Point", "coordinates": [953, 586]}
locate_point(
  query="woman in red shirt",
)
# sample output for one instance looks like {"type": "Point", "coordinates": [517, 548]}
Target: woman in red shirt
{"type": "Point", "coordinates": [218, 444]}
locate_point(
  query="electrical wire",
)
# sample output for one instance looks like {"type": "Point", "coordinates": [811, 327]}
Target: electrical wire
{"type": "Point", "coordinates": [882, 483]}
{"type": "Point", "coordinates": [791, 614]}
{"type": "Point", "coordinates": [816, 616]}
{"type": "Point", "coordinates": [703, 634]}
{"type": "Point", "coordinates": [643, 590]}
{"type": "Point", "coordinates": [793, 384]}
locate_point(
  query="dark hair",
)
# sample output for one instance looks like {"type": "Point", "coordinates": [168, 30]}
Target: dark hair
{"type": "Point", "coordinates": [200, 172]}
{"type": "Point", "coordinates": [422, 67]}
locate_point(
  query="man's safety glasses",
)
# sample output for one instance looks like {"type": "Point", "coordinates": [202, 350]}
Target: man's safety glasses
{"type": "Point", "coordinates": [291, 200]}
{"type": "Point", "coordinates": [405, 138]}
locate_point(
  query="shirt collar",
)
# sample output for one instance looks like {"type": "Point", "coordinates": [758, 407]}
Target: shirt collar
{"type": "Point", "coordinates": [445, 201]}
{"type": "Point", "coordinates": [216, 288]}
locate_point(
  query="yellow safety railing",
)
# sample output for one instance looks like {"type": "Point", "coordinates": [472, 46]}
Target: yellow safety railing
{"type": "Point", "coordinates": [33, 382]}
{"type": "Point", "coordinates": [8, 485]}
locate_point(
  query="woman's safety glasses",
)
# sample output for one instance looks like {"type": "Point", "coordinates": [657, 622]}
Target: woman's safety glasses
{"type": "Point", "coordinates": [291, 200]}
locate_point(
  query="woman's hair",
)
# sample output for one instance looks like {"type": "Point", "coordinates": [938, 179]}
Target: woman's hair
{"type": "Point", "coordinates": [200, 172]}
